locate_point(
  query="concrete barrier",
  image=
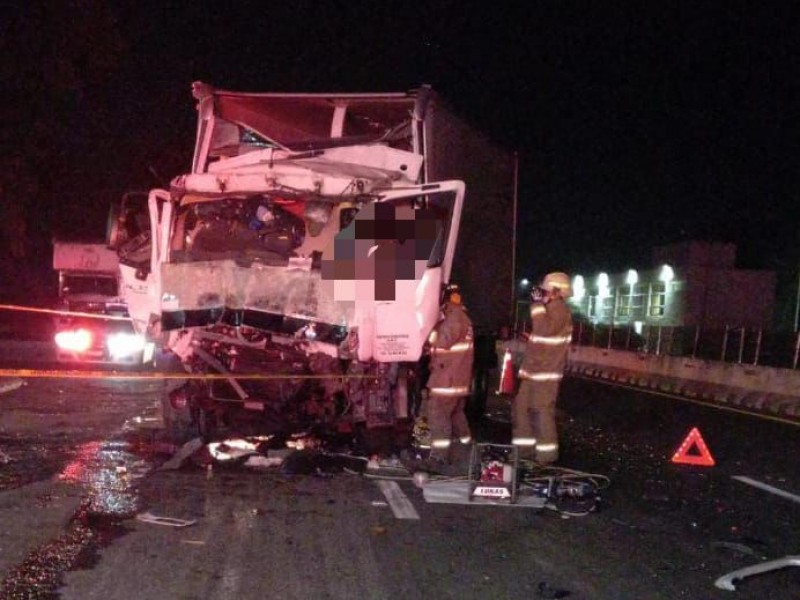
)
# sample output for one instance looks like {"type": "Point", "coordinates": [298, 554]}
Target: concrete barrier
{"type": "Point", "coordinates": [765, 390]}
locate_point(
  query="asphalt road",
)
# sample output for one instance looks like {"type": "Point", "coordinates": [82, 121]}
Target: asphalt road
{"type": "Point", "coordinates": [79, 461]}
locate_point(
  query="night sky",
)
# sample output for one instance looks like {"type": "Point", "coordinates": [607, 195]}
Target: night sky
{"type": "Point", "coordinates": [636, 123]}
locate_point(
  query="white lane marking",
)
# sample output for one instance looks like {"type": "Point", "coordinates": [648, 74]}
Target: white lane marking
{"type": "Point", "coordinates": [399, 502]}
{"type": "Point", "coordinates": [767, 488]}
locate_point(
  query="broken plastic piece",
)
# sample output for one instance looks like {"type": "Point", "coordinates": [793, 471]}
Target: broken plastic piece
{"type": "Point", "coordinates": [546, 591]}
{"type": "Point", "coordinates": [13, 384]}
{"type": "Point", "coordinates": [392, 463]}
{"type": "Point", "coordinates": [168, 521]}
{"type": "Point", "coordinates": [182, 454]}
{"type": "Point", "coordinates": [726, 582]}
{"type": "Point", "coordinates": [263, 461]}
{"type": "Point", "coordinates": [233, 449]}
{"type": "Point", "coordinates": [740, 548]}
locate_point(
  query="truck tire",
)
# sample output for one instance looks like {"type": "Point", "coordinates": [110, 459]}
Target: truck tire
{"type": "Point", "coordinates": [476, 401]}
{"type": "Point", "coordinates": [179, 424]}
{"type": "Point", "coordinates": [205, 423]}
{"type": "Point", "coordinates": [484, 359]}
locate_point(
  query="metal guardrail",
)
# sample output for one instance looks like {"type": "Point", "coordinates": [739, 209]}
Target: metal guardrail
{"type": "Point", "coordinates": [753, 346]}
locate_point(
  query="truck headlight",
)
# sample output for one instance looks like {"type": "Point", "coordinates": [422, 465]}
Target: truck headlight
{"type": "Point", "coordinates": [74, 340]}
{"type": "Point", "coordinates": [121, 345]}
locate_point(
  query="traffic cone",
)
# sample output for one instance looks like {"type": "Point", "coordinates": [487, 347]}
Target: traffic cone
{"type": "Point", "coordinates": [507, 383]}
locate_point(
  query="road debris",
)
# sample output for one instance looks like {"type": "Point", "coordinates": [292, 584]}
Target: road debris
{"type": "Point", "coordinates": [543, 590]}
{"type": "Point", "coordinates": [301, 454]}
{"type": "Point", "coordinates": [234, 449]}
{"type": "Point", "coordinates": [726, 582]}
{"type": "Point", "coordinates": [147, 517]}
{"type": "Point", "coordinates": [182, 454]}
{"type": "Point", "coordinates": [377, 463]}
{"type": "Point", "coordinates": [378, 530]}
{"type": "Point", "coordinates": [263, 462]}
{"type": "Point", "coordinates": [739, 548]}
{"type": "Point", "coordinates": [8, 385]}
{"type": "Point", "coordinates": [313, 462]}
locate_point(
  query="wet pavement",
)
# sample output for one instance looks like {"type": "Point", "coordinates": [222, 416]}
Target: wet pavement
{"type": "Point", "coordinates": [79, 460]}
{"type": "Point", "coordinates": [71, 454]}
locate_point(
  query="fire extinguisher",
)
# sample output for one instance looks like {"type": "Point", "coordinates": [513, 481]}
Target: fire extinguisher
{"type": "Point", "coordinates": [507, 383]}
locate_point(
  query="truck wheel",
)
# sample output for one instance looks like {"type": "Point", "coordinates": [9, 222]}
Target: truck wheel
{"type": "Point", "coordinates": [179, 422]}
{"type": "Point", "coordinates": [205, 423]}
{"type": "Point", "coordinates": [485, 361]}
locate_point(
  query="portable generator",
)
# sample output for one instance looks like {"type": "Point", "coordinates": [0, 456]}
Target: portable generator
{"type": "Point", "coordinates": [493, 473]}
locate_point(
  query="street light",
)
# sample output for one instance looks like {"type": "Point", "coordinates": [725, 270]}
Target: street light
{"type": "Point", "coordinates": [521, 303]}
{"type": "Point", "coordinates": [603, 285]}
{"type": "Point", "coordinates": [578, 288]}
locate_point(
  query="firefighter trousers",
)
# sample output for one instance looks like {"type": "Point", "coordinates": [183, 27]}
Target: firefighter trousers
{"type": "Point", "coordinates": [446, 420]}
{"type": "Point", "coordinates": [533, 421]}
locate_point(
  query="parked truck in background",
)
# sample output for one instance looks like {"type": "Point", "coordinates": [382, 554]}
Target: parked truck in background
{"type": "Point", "coordinates": [93, 326]}
{"type": "Point", "coordinates": [296, 271]}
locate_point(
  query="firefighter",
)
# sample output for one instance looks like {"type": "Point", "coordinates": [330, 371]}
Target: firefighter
{"type": "Point", "coordinates": [451, 353]}
{"type": "Point", "coordinates": [534, 408]}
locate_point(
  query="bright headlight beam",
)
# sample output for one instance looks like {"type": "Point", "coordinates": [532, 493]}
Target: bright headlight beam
{"type": "Point", "coordinates": [74, 340]}
{"type": "Point", "coordinates": [124, 344]}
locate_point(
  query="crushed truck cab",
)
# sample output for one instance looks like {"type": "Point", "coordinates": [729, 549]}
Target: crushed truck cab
{"type": "Point", "coordinates": [296, 272]}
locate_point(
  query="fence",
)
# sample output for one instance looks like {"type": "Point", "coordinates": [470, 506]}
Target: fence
{"type": "Point", "coordinates": [740, 345]}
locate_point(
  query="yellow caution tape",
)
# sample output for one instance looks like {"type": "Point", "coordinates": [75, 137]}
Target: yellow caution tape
{"type": "Point", "coordinates": [62, 313]}
{"type": "Point", "coordinates": [56, 374]}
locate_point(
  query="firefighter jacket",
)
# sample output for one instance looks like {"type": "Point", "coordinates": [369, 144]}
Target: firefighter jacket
{"type": "Point", "coordinates": [546, 352]}
{"type": "Point", "coordinates": [451, 354]}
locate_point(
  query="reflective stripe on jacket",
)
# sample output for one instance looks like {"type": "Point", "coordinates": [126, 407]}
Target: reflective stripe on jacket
{"type": "Point", "coordinates": [544, 376]}
{"type": "Point", "coordinates": [546, 352]}
{"type": "Point", "coordinates": [451, 354]}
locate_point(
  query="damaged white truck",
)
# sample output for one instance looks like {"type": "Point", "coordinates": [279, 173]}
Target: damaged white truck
{"type": "Point", "coordinates": [297, 270]}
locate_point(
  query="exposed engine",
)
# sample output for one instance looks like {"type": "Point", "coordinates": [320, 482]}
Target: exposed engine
{"type": "Point", "coordinates": [283, 384]}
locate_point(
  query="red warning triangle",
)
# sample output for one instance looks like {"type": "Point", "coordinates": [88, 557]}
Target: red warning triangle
{"type": "Point", "coordinates": [694, 440]}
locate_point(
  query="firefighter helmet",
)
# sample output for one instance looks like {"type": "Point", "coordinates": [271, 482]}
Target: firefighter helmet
{"type": "Point", "coordinates": [559, 281]}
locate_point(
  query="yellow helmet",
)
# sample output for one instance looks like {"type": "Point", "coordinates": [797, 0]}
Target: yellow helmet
{"type": "Point", "coordinates": [559, 281]}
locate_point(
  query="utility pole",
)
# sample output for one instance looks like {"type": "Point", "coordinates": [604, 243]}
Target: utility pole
{"type": "Point", "coordinates": [514, 237]}
{"type": "Point", "coordinates": [797, 302]}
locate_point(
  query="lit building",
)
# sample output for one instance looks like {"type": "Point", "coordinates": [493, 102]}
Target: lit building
{"type": "Point", "coordinates": [692, 284]}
